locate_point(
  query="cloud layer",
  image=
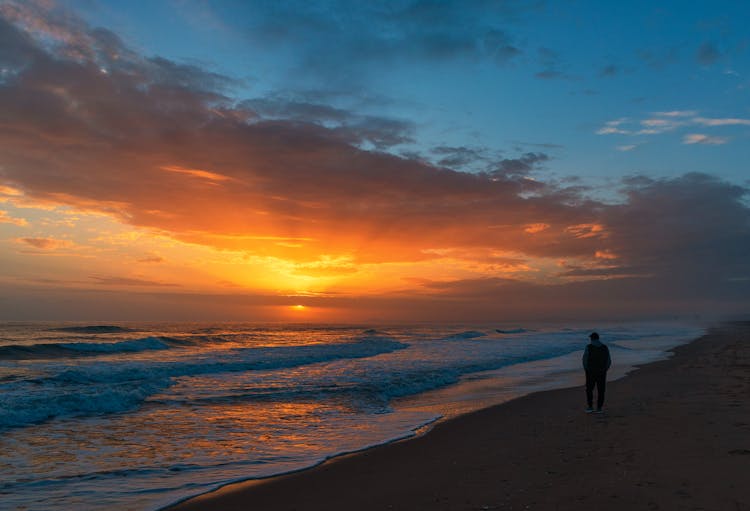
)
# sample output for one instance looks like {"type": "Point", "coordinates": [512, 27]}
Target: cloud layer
{"type": "Point", "coordinates": [671, 121]}
{"type": "Point", "coordinates": [87, 122]}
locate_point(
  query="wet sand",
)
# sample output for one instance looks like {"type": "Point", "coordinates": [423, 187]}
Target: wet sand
{"type": "Point", "coordinates": [675, 435]}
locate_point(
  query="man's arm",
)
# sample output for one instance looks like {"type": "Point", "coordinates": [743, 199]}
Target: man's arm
{"type": "Point", "coordinates": [586, 359]}
{"type": "Point", "coordinates": [609, 360]}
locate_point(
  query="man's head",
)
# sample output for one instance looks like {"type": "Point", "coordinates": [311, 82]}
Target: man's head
{"type": "Point", "coordinates": [594, 336]}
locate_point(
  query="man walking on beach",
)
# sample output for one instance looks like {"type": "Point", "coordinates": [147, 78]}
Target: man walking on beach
{"type": "Point", "coordinates": [596, 361]}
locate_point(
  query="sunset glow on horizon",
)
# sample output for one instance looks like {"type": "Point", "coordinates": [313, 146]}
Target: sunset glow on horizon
{"type": "Point", "coordinates": [139, 180]}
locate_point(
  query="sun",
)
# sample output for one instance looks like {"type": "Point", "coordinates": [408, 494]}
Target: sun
{"type": "Point", "coordinates": [298, 308]}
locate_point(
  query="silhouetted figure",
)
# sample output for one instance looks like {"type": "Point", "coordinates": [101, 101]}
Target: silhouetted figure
{"type": "Point", "coordinates": [596, 361]}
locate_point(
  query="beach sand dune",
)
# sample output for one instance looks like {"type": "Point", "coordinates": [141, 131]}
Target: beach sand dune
{"type": "Point", "coordinates": [675, 435]}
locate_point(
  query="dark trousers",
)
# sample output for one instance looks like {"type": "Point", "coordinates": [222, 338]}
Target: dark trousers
{"type": "Point", "coordinates": [598, 379]}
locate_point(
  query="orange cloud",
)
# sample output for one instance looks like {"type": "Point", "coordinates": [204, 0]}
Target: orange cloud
{"type": "Point", "coordinates": [587, 230]}
{"type": "Point", "coordinates": [535, 228]}
{"type": "Point", "coordinates": [151, 259]}
{"type": "Point", "coordinates": [605, 254]}
{"type": "Point", "coordinates": [109, 280]}
{"type": "Point", "coordinates": [202, 174]}
{"type": "Point", "coordinates": [298, 190]}
{"type": "Point", "coordinates": [5, 218]}
{"type": "Point", "coordinates": [46, 243]}
{"type": "Point", "coordinates": [9, 190]}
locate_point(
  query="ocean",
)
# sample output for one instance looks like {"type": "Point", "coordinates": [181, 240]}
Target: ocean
{"type": "Point", "coordinates": [138, 416]}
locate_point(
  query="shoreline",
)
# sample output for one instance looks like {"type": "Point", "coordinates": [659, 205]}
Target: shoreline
{"type": "Point", "coordinates": [341, 481]}
{"type": "Point", "coordinates": [564, 379]}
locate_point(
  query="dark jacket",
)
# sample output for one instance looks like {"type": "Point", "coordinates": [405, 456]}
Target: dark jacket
{"type": "Point", "coordinates": [596, 358]}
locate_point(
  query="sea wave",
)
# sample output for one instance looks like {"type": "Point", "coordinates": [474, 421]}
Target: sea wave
{"type": "Point", "coordinates": [22, 404]}
{"type": "Point", "coordinates": [372, 385]}
{"type": "Point", "coordinates": [105, 387]}
{"type": "Point", "coordinates": [230, 361]}
{"type": "Point", "coordinates": [513, 331]}
{"type": "Point", "coordinates": [469, 334]}
{"type": "Point", "coordinates": [72, 349]}
{"type": "Point", "coordinates": [92, 329]}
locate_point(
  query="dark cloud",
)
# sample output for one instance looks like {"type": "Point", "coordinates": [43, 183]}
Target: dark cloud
{"type": "Point", "coordinates": [187, 76]}
{"type": "Point", "coordinates": [151, 259]}
{"type": "Point", "coordinates": [459, 157]}
{"type": "Point", "coordinates": [549, 74]}
{"type": "Point", "coordinates": [548, 57]}
{"type": "Point", "coordinates": [340, 41]}
{"type": "Point", "coordinates": [125, 281]}
{"type": "Point", "coordinates": [707, 54]}
{"type": "Point", "coordinates": [609, 70]}
{"type": "Point", "coordinates": [658, 58]}
{"type": "Point", "coordinates": [601, 272]}
{"type": "Point", "coordinates": [499, 46]}
{"type": "Point", "coordinates": [552, 65]}
{"type": "Point", "coordinates": [283, 108]}
{"type": "Point", "coordinates": [593, 299]}
{"type": "Point", "coordinates": [546, 145]}
{"type": "Point", "coordinates": [355, 128]}
{"type": "Point", "coordinates": [481, 159]}
{"type": "Point", "coordinates": [381, 132]}
{"type": "Point", "coordinates": [520, 166]}
{"type": "Point", "coordinates": [695, 227]}
{"type": "Point", "coordinates": [45, 243]}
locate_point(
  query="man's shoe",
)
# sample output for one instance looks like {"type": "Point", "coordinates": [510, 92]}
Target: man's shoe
{"type": "Point", "coordinates": [589, 410]}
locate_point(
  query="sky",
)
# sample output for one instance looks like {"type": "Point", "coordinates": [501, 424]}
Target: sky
{"type": "Point", "coordinates": [390, 161]}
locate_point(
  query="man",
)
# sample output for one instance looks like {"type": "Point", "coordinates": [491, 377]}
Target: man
{"type": "Point", "coordinates": [596, 361]}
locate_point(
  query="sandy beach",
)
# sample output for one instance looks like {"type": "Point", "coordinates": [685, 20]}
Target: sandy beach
{"type": "Point", "coordinates": [675, 435]}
